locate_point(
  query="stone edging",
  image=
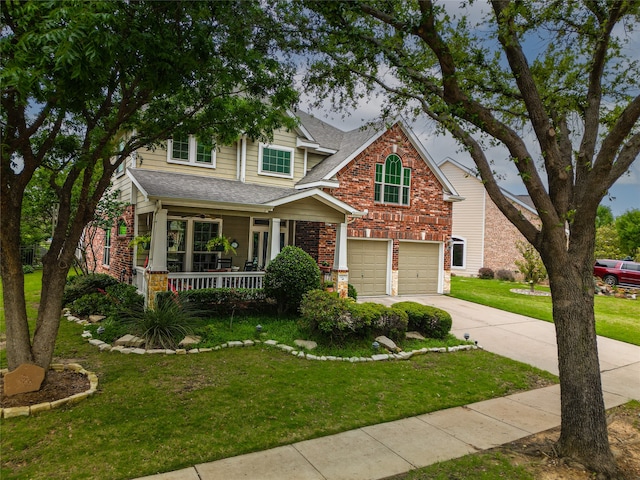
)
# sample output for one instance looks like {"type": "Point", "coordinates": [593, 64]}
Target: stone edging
{"type": "Point", "coordinates": [41, 407]}
{"type": "Point", "coordinates": [105, 347]}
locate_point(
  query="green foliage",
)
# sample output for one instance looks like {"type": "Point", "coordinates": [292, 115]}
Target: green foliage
{"type": "Point", "coordinates": [505, 275]}
{"type": "Point", "coordinates": [531, 265]}
{"type": "Point", "coordinates": [80, 285]}
{"type": "Point", "coordinates": [112, 329]}
{"type": "Point", "coordinates": [92, 304]}
{"type": "Point", "coordinates": [221, 244]}
{"type": "Point", "coordinates": [336, 320]}
{"type": "Point", "coordinates": [352, 292]}
{"type": "Point", "coordinates": [86, 84]}
{"type": "Point", "coordinates": [430, 321]}
{"type": "Point", "coordinates": [628, 227]}
{"type": "Point", "coordinates": [27, 269]}
{"type": "Point", "coordinates": [289, 276]}
{"type": "Point", "coordinates": [607, 243]}
{"type": "Point", "coordinates": [486, 273]}
{"type": "Point", "coordinates": [163, 326]}
{"type": "Point", "coordinates": [604, 216]}
{"type": "Point", "coordinates": [211, 302]}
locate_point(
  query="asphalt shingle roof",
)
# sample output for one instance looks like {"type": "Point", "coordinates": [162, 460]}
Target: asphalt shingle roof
{"type": "Point", "coordinates": [209, 189]}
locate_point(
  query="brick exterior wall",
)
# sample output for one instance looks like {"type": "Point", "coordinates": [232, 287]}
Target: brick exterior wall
{"type": "Point", "coordinates": [500, 238]}
{"type": "Point", "coordinates": [427, 218]}
{"type": "Point", "coordinates": [120, 265]}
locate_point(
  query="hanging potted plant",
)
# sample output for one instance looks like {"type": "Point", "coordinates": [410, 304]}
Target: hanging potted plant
{"type": "Point", "coordinates": [143, 242]}
{"type": "Point", "coordinates": [220, 244]}
{"type": "Point", "coordinates": [325, 267]}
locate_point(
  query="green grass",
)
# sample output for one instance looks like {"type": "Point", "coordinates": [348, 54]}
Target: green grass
{"type": "Point", "coordinates": [161, 413]}
{"type": "Point", "coordinates": [483, 466]}
{"type": "Point", "coordinates": [616, 318]}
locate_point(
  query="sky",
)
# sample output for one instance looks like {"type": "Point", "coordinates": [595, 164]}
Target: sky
{"type": "Point", "coordinates": [623, 196]}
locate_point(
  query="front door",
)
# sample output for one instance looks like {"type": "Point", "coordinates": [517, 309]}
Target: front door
{"type": "Point", "coordinates": [259, 253]}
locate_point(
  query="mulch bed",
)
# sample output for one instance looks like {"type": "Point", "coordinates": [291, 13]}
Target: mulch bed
{"type": "Point", "coordinates": [56, 386]}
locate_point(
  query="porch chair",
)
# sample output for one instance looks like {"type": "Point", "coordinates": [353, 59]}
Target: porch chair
{"type": "Point", "coordinates": [249, 266]}
{"type": "Point", "coordinates": [224, 263]}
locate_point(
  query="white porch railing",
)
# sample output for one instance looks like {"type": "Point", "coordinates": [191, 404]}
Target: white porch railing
{"type": "Point", "coordinates": [180, 281]}
{"type": "Point", "coordinates": [140, 281]}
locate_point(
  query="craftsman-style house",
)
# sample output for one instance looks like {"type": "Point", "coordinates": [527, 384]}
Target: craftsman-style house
{"type": "Point", "coordinates": [370, 203]}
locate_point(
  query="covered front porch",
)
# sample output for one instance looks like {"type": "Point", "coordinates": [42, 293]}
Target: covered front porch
{"type": "Point", "coordinates": [258, 223]}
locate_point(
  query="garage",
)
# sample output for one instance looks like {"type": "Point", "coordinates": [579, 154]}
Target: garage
{"type": "Point", "coordinates": [367, 261]}
{"type": "Point", "coordinates": [418, 268]}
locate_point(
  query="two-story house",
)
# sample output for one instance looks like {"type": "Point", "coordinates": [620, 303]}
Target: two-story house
{"type": "Point", "coordinates": [482, 235]}
{"type": "Point", "coordinates": [369, 202]}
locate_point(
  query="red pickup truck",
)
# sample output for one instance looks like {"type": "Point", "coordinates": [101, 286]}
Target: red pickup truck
{"type": "Point", "coordinates": [618, 272]}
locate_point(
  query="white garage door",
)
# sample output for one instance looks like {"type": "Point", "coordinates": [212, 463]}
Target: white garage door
{"type": "Point", "coordinates": [418, 267]}
{"type": "Point", "coordinates": [367, 262]}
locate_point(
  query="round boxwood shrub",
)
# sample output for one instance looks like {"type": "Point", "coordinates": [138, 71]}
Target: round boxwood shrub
{"type": "Point", "coordinates": [432, 322]}
{"type": "Point", "coordinates": [486, 273]}
{"type": "Point", "coordinates": [505, 275]}
{"type": "Point", "coordinates": [289, 276]}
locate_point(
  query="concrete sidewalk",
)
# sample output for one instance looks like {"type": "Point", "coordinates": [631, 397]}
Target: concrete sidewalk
{"type": "Point", "coordinates": [380, 451]}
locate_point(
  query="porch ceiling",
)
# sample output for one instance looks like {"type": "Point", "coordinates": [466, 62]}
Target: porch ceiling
{"type": "Point", "coordinates": [192, 190]}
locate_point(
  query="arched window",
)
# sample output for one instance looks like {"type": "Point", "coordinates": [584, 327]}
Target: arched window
{"type": "Point", "coordinates": [393, 181]}
{"type": "Point", "coordinates": [458, 247]}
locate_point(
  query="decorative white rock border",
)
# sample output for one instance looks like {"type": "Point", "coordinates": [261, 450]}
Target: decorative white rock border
{"type": "Point", "coordinates": [105, 347]}
{"type": "Point", "coordinates": [41, 407]}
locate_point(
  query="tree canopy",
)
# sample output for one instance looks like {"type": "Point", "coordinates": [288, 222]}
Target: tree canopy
{"type": "Point", "coordinates": [85, 84]}
{"type": "Point", "coordinates": [551, 84]}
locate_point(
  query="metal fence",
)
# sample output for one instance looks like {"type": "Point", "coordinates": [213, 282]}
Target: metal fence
{"type": "Point", "coordinates": [32, 254]}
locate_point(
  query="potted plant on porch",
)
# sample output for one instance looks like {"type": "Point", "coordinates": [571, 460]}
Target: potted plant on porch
{"type": "Point", "coordinates": [143, 242]}
{"type": "Point", "coordinates": [220, 244]}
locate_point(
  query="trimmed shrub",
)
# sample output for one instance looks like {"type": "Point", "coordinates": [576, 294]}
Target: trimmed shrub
{"type": "Point", "coordinates": [486, 273]}
{"type": "Point", "coordinates": [325, 314]}
{"type": "Point", "coordinates": [338, 319]}
{"type": "Point", "coordinates": [289, 276]}
{"type": "Point", "coordinates": [27, 269]}
{"type": "Point", "coordinates": [505, 275]}
{"type": "Point", "coordinates": [115, 299]}
{"type": "Point", "coordinates": [430, 321]}
{"type": "Point", "coordinates": [210, 302]}
{"type": "Point", "coordinates": [81, 285]}
{"type": "Point", "coordinates": [352, 292]}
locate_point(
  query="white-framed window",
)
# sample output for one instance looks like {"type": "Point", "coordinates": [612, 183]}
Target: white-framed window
{"type": "Point", "coordinates": [259, 244]}
{"type": "Point", "coordinates": [392, 181]}
{"type": "Point", "coordinates": [189, 150]}
{"type": "Point", "coordinates": [106, 252]}
{"type": "Point", "coordinates": [275, 160]}
{"type": "Point", "coordinates": [458, 252]}
{"type": "Point", "coordinates": [187, 245]}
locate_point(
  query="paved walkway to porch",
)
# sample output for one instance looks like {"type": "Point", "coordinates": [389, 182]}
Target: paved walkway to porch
{"type": "Point", "coordinates": [380, 451]}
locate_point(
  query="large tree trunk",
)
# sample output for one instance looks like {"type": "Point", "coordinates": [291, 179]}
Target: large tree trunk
{"type": "Point", "coordinates": [18, 341]}
{"type": "Point", "coordinates": [584, 427]}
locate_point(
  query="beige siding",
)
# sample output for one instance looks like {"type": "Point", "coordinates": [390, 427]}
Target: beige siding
{"type": "Point", "coordinates": [225, 163]}
{"type": "Point", "coordinates": [308, 209]}
{"type": "Point", "coordinates": [123, 183]}
{"type": "Point", "coordinates": [313, 159]}
{"type": "Point", "coordinates": [468, 217]}
{"type": "Point", "coordinates": [281, 138]}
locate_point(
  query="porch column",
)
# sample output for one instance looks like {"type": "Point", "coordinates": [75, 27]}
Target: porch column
{"type": "Point", "coordinates": [274, 238]}
{"type": "Point", "coordinates": [156, 274]}
{"type": "Point", "coordinates": [158, 249]}
{"type": "Point", "coordinates": [340, 269]}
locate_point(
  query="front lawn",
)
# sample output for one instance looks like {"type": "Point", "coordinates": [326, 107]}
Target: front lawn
{"type": "Point", "coordinates": [616, 318]}
{"type": "Point", "coordinates": [157, 413]}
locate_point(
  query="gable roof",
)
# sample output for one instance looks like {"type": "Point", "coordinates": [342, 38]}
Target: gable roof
{"type": "Point", "coordinates": [523, 201]}
{"type": "Point", "coordinates": [349, 144]}
{"type": "Point", "coordinates": [230, 193]}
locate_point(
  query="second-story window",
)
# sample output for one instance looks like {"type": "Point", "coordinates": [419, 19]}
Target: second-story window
{"type": "Point", "coordinates": [192, 151]}
{"type": "Point", "coordinates": [392, 182]}
{"type": "Point", "coordinates": [275, 160]}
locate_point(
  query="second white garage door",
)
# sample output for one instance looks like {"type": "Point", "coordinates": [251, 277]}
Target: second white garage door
{"type": "Point", "coordinates": [418, 268]}
{"type": "Point", "coordinates": [367, 261]}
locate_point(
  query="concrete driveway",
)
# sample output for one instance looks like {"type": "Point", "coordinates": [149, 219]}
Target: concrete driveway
{"type": "Point", "coordinates": [531, 341]}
